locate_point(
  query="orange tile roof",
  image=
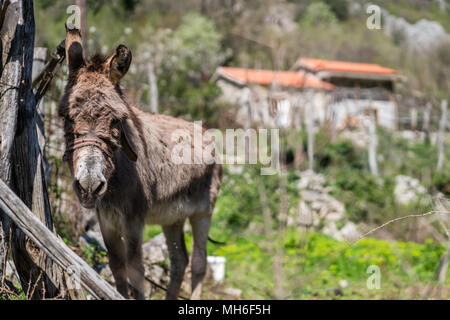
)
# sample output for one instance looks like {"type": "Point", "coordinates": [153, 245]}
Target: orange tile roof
{"type": "Point", "coordinates": [267, 77]}
{"type": "Point", "coordinates": [320, 65]}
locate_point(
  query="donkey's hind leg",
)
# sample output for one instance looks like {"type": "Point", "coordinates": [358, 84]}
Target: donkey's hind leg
{"type": "Point", "coordinates": [178, 257]}
{"type": "Point", "coordinates": [200, 229]}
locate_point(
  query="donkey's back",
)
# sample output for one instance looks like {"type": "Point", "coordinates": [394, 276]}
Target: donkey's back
{"type": "Point", "coordinates": [173, 191]}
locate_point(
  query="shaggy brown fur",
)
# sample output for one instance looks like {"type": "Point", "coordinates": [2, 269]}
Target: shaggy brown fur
{"type": "Point", "coordinates": [151, 189]}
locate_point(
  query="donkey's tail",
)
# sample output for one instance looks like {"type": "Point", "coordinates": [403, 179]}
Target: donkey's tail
{"type": "Point", "coordinates": [216, 242]}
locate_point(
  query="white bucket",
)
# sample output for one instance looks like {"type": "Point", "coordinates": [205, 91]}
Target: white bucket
{"type": "Point", "coordinates": [217, 265]}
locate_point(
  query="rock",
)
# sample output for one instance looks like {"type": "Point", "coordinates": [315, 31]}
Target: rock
{"type": "Point", "coordinates": [156, 273]}
{"type": "Point", "coordinates": [330, 229]}
{"type": "Point", "coordinates": [310, 196]}
{"type": "Point", "coordinates": [408, 190]}
{"type": "Point", "coordinates": [105, 273]}
{"type": "Point", "coordinates": [421, 36]}
{"type": "Point", "coordinates": [350, 232]}
{"type": "Point", "coordinates": [311, 181]}
{"type": "Point", "coordinates": [305, 216]}
{"type": "Point", "coordinates": [155, 250]}
{"type": "Point", "coordinates": [317, 208]}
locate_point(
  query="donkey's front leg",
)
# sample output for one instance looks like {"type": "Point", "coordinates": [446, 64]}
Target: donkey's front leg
{"type": "Point", "coordinates": [116, 252]}
{"type": "Point", "coordinates": [135, 268]}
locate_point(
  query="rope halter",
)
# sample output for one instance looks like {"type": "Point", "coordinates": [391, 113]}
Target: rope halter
{"type": "Point", "coordinates": [89, 141]}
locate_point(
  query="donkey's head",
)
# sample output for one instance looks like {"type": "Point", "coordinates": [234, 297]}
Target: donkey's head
{"type": "Point", "coordinates": [95, 116]}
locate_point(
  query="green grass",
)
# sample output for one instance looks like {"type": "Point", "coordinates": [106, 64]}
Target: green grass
{"type": "Point", "coordinates": [314, 265]}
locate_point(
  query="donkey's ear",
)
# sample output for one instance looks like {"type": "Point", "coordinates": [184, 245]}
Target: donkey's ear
{"type": "Point", "coordinates": [126, 146]}
{"type": "Point", "coordinates": [118, 63]}
{"type": "Point", "coordinates": [74, 49]}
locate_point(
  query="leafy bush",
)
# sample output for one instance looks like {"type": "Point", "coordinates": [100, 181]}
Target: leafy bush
{"type": "Point", "coordinates": [319, 13]}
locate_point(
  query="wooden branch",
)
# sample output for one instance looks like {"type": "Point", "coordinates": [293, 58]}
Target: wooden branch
{"type": "Point", "coordinates": [42, 81]}
{"type": "Point", "coordinates": [53, 246]}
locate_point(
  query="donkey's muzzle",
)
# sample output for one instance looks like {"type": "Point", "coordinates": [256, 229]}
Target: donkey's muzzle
{"type": "Point", "coordinates": [89, 192]}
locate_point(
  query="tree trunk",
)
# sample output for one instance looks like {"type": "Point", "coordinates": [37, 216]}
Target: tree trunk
{"type": "Point", "coordinates": [441, 135]}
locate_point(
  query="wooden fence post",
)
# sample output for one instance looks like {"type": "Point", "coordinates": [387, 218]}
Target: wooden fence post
{"type": "Point", "coordinates": [39, 60]}
{"type": "Point", "coordinates": [441, 135]}
{"type": "Point", "coordinates": [23, 167]}
{"type": "Point", "coordinates": [153, 86]}
{"type": "Point", "coordinates": [310, 129]}
{"type": "Point", "coordinates": [10, 77]}
{"type": "Point", "coordinates": [373, 144]}
{"type": "Point", "coordinates": [413, 112]}
{"type": "Point", "coordinates": [426, 122]}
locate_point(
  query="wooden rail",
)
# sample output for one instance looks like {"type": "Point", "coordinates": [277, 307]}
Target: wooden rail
{"type": "Point", "coordinates": [53, 246]}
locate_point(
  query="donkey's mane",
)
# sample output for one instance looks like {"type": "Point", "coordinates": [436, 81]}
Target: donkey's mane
{"type": "Point", "coordinates": [95, 62]}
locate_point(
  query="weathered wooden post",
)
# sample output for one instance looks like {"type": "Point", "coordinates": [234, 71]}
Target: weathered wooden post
{"type": "Point", "coordinates": [413, 112]}
{"type": "Point", "coordinates": [310, 129]}
{"type": "Point", "coordinates": [39, 60]}
{"type": "Point", "coordinates": [10, 77]}
{"type": "Point", "coordinates": [372, 144]}
{"type": "Point", "coordinates": [22, 162]}
{"type": "Point", "coordinates": [153, 86]}
{"type": "Point", "coordinates": [426, 122]}
{"type": "Point", "coordinates": [441, 134]}
{"type": "Point", "coordinates": [83, 26]}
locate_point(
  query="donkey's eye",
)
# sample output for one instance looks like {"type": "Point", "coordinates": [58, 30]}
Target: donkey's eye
{"type": "Point", "coordinates": [115, 133]}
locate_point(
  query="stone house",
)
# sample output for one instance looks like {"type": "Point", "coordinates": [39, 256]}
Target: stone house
{"type": "Point", "coordinates": [358, 88]}
{"type": "Point", "coordinates": [270, 98]}
{"type": "Point", "coordinates": [336, 91]}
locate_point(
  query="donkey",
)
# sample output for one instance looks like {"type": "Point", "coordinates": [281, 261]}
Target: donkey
{"type": "Point", "coordinates": [120, 160]}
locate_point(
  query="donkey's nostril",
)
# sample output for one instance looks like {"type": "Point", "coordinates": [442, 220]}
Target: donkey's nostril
{"type": "Point", "coordinates": [101, 188]}
{"type": "Point", "coordinates": [79, 186]}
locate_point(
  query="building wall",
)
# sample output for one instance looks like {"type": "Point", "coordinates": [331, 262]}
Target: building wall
{"type": "Point", "coordinates": [356, 110]}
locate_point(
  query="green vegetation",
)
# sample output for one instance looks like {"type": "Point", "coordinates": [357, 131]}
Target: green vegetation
{"type": "Point", "coordinates": [315, 264]}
